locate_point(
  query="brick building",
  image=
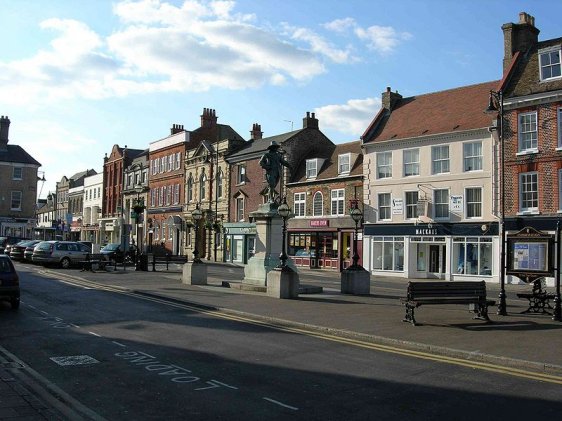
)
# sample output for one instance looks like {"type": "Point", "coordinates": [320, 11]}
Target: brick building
{"type": "Point", "coordinates": [532, 127]}
{"type": "Point", "coordinates": [18, 194]}
{"type": "Point", "coordinates": [248, 185]}
{"type": "Point", "coordinates": [324, 187]}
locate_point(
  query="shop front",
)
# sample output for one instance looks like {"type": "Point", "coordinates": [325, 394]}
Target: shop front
{"type": "Point", "coordinates": [461, 251]}
{"type": "Point", "coordinates": [239, 241]}
{"type": "Point", "coordinates": [322, 243]}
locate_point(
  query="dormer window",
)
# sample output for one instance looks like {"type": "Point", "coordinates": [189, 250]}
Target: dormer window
{"type": "Point", "coordinates": [311, 168]}
{"type": "Point", "coordinates": [344, 163]}
{"type": "Point", "coordinates": [549, 63]}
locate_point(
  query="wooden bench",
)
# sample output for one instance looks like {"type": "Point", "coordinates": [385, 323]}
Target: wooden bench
{"type": "Point", "coordinates": [455, 292]}
{"type": "Point", "coordinates": [539, 299]}
{"type": "Point", "coordinates": [98, 259]}
{"type": "Point", "coordinates": [167, 259]}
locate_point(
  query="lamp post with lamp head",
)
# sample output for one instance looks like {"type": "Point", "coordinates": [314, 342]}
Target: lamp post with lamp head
{"type": "Point", "coordinates": [283, 210]}
{"type": "Point", "coordinates": [496, 106]}
{"type": "Point", "coordinates": [196, 215]}
{"type": "Point", "coordinates": [357, 216]}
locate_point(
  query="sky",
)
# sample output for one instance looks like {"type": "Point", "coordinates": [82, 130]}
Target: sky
{"type": "Point", "coordinates": [79, 76]}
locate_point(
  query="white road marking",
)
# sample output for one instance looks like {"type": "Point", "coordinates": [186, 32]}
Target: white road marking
{"type": "Point", "coordinates": [43, 312]}
{"type": "Point", "coordinates": [95, 334]}
{"type": "Point", "coordinates": [119, 344]}
{"type": "Point", "coordinates": [281, 404]}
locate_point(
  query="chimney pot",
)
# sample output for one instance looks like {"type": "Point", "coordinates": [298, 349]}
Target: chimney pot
{"type": "Point", "coordinates": [310, 122]}
{"type": "Point", "coordinates": [518, 37]}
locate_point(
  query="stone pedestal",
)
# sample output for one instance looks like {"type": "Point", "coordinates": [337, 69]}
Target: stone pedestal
{"type": "Point", "coordinates": [283, 283]}
{"type": "Point", "coordinates": [269, 240]}
{"type": "Point", "coordinates": [355, 281]}
{"type": "Point", "coordinates": [194, 273]}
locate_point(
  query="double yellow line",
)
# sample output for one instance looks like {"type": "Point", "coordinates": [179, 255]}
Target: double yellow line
{"type": "Point", "coordinates": [479, 365]}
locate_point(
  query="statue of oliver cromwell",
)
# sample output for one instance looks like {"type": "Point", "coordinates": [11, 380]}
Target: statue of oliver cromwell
{"type": "Point", "coordinates": [271, 162]}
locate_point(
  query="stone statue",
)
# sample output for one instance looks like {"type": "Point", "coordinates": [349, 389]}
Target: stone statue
{"type": "Point", "coordinates": [271, 162]}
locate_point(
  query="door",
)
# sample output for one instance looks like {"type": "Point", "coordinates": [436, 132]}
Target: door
{"type": "Point", "coordinates": [434, 258]}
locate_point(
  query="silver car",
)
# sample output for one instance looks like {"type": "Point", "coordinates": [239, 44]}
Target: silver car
{"type": "Point", "coordinates": [62, 253]}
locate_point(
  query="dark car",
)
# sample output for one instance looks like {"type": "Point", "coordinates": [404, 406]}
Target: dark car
{"type": "Point", "coordinates": [9, 282]}
{"type": "Point", "coordinates": [7, 242]}
{"type": "Point", "coordinates": [113, 252]}
{"type": "Point", "coordinates": [17, 250]}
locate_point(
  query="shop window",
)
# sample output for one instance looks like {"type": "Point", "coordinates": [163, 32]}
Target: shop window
{"type": "Point", "coordinates": [318, 204]}
{"type": "Point", "coordinates": [388, 253]}
{"type": "Point", "coordinates": [472, 256]}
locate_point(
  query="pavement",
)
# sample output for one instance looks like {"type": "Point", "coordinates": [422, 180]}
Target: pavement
{"type": "Point", "coordinates": [525, 341]}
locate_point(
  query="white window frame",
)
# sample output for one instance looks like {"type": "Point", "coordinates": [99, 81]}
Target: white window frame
{"type": "Point", "coordinates": [468, 205]}
{"type": "Point", "coordinates": [15, 200]}
{"type": "Point", "coordinates": [189, 193]}
{"type": "Point", "coordinates": [318, 208]}
{"type": "Point", "coordinates": [543, 66]}
{"type": "Point", "coordinates": [411, 207]}
{"type": "Point", "coordinates": [441, 203]}
{"type": "Point", "coordinates": [471, 157]}
{"type": "Point", "coordinates": [524, 181]}
{"type": "Point", "coordinates": [384, 161]}
{"type": "Point", "coordinates": [299, 204]}
{"type": "Point", "coordinates": [171, 162]}
{"type": "Point", "coordinates": [344, 167]}
{"type": "Point", "coordinates": [178, 160]}
{"type": "Point", "coordinates": [311, 168]}
{"type": "Point", "coordinates": [240, 174]}
{"type": "Point", "coordinates": [337, 197]}
{"type": "Point", "coordinates": [16, 176]}
{"type": "Point", "coordinates": [528, 128]}
{"type": "Point", "coordinates": [440, 164]}
{"type": "Point", "coordinates": [384, 206]}
{"type": "Point", "coordinates": [219, 185]}
{"type": "Point", "coordinates": [176, 194]}
{"type": "Point", "coordinates": [163, 164]}
{"type": "Point", "coordinates": [411, 162]}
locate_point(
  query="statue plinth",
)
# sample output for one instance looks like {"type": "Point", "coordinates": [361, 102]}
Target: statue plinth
{"type": "Point", "coordinates": [269, 240]}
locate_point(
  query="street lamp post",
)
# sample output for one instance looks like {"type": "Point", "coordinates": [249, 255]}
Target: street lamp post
{"type": "Point", "coordinates": [139, 209]}
{"type": "Point", "coordinates": [196, 215]}
{"type": "Point", "coordinates": [496, 105]}
{"type": "Point", "coordinates": [357, 216]}
{"type": "Point", "coordinates": [283, 210]}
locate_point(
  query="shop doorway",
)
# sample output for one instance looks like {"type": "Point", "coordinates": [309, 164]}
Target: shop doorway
{"type": "Point", "coordinates": [436, 259]}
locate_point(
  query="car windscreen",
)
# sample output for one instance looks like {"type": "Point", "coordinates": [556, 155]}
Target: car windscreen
{"type": "Point", "coordinates": [43, 246]}
{"type": "Point", "coordinates": [5, 266]}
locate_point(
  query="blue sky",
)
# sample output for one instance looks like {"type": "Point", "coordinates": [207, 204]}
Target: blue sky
{"type": "Point", "coordinates": [78, 76]}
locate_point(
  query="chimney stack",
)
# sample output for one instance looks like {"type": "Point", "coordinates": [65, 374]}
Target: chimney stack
{"type": "Point", "coordinates": [208, 118]}
{"type": "Point", "coordinates": [256, 132]}
{"type": "Point", "coordinates": [518, 37]}
{"type": "Point", "coordinates": [310, 121]}
{"type": "Point", "coordinates": [389, 99]}
{"type": "Point", "coordinates": [4, 129]}
{"type": "Point", "coordinates": [176, 128]}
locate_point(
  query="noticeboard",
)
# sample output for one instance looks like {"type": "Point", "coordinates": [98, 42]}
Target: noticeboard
{"type": "Point", "coordinates": [530, 254]}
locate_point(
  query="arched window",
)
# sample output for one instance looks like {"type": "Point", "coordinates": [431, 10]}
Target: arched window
{"type": "Point", "coordinates": [219, 183]}
{"type": "Point", "coordinates": [318, 204]}
{"type": "Point", "coordinates": [189, 189]}
{"type": "Point", "coordinates": [202, 187]}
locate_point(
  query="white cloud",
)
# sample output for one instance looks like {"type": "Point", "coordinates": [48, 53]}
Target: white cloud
{"type": "Point", "coordinates": [381, 38]}
{"type": "Point", "coordinates": [352, 117]}
{"type": "Point", "coordinates": [340, 25]}
{"type": "Point", "coordinates": [319, 45]}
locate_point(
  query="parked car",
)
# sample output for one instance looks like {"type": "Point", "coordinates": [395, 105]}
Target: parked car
{"type": "Point", "coordinates": [17, 250]}
{"type": "Point", "coordinates": [9, 282]}
{"type": "Point", "coordinates": [113, 251]}
{"type": "Point", "coordinates": [62, 253]}
{"type": "Point", "coordinates": [28, 253]}
{"type": "Point", "coordinates": [7, 242]}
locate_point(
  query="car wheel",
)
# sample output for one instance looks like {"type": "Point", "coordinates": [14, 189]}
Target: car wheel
{"type": "Point", "coordinates": [15, 303]}
{"type": "Point", "coordinates": [65, 263]}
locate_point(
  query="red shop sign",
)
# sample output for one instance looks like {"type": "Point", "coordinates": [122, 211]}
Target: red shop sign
{"type": "Point", "coordinates": [319, 223]}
